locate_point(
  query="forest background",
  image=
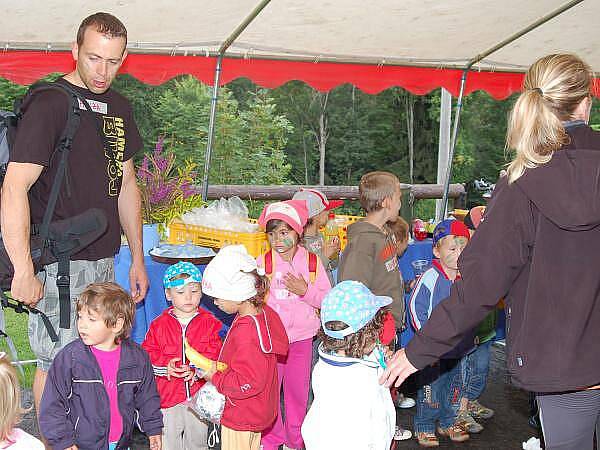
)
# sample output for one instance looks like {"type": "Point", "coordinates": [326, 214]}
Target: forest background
{"type": "Point", "coordinates": [296, 135]}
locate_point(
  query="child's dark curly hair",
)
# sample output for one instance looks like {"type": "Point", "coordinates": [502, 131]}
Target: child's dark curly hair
{"type": "Point", "coordinates": [355, 345]}
{"type": "Point", "coordinates": [261, 282]}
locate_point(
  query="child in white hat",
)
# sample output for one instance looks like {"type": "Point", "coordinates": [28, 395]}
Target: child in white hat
{"type": "Point", "coordinates": [351, 410]}
{"type": "Point", "coordinates": [254, 342]}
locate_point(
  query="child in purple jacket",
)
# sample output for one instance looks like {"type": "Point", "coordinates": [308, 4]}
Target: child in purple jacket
{"type": "Point", "coordinates": [101, 384]}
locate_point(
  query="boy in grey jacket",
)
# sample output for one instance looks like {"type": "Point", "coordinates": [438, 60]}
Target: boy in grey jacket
{"type": "Point", "coordinates": [370, 256]}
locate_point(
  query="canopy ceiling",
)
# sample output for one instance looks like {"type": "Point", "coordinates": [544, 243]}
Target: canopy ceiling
{"type": "Point", "coordinates": [417, 44]}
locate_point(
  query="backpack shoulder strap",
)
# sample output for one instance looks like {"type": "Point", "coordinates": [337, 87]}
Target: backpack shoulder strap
{"type": "Point", "coordinates": [63, 146]}
{"type": "Point", "coordinates": [313, 261]}
{"type": "Point", "coordinates": [269, 263]}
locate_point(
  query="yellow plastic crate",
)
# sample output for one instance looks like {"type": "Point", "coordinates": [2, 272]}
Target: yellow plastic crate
{"type": "Point", "coordinates": [180, 233]}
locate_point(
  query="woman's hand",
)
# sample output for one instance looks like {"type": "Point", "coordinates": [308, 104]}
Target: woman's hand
{"type": "Point", "coordinates": [398, 370]}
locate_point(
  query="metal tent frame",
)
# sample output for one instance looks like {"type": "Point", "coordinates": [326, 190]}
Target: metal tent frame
{"type": "Point", "coordinates": [456, 122]}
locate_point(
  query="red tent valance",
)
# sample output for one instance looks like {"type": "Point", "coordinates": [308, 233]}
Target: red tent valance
{"type": "Point", "coordinates": [25, 67]}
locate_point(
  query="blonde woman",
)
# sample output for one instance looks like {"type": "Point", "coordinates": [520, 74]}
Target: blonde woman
{"type": "Point", "coordinates": [539, 247]}
{"type": "Point", "coordinates": [12, 438]}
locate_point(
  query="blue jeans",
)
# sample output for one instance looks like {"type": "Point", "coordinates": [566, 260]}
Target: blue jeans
{"type": "Point", "coordinates": [438, 395]}
{"type": "Point", "coordinates": [477, 365]}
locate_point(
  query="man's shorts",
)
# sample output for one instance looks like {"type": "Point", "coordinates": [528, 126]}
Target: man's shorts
{"type": "Point", "coordinates": [82, 274]}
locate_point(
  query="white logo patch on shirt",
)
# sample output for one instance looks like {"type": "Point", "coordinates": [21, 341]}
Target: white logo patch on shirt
{"type": "Point", "coordinates": [96, 106]}
{"type": "Point", "coordinates": [391, 264]}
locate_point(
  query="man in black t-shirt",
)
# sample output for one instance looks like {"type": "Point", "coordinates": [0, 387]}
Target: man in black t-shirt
{"type": "Point", "coordinates": [94, 180]}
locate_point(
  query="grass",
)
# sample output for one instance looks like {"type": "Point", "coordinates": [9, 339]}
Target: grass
{"type": "Point", "coordinates": [16, 328]}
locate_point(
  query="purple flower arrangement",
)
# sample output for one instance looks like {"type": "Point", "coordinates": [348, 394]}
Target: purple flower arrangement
{"type": "Point", "coordinates": [167, 190]}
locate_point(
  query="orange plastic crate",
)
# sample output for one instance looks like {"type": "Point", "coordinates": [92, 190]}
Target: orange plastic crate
{"type": "Point", "coordinates": [180, 233]}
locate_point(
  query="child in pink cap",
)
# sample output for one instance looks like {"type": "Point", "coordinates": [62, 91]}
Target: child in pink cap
{"type": "Point", "coordinates": [296, 292]}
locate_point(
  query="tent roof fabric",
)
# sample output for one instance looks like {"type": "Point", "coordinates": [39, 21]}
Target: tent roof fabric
{"type": "Point", "coordinates": [372, 45]}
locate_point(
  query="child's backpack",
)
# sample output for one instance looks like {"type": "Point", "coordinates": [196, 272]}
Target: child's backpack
{"type": "Point", "coordinates": [312, 265]}
{"type": "Point", "coordinates": [52, 241]}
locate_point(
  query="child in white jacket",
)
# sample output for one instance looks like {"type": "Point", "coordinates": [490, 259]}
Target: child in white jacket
{"type": "Point", "coordinates": [351, 410]}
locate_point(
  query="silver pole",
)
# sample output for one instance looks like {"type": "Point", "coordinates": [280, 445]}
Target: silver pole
{"type": "Point", "coordinates": [489, 51]}
{"type": "Point", "coordinates": [443, 145]}
{"type": "Point", "coordinates": [211, 127]}
{"type": "Point", "coordinates": [213, 105]}
{"type": "Point", "coordinates": [463, 81]}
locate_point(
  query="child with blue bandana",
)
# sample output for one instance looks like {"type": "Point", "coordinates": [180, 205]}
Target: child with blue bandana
{"type": "Point", "coordinates": [351, 410]}
{"type": "Point", "coordinates": [176, 380]}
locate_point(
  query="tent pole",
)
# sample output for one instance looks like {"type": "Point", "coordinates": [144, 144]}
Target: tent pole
{"type": "Point", "coordinates": [211, 127]}
{"type": "Point", "coordinates": [472, 62]}
{"type": "Point", "coordinates": [443, 145]}
{"type": "Point", "coordinates": [541, 21]}
{"type": "Point", "coordinates": [213, 104]}
{"type": "Point", "coordinates": [459, 101]}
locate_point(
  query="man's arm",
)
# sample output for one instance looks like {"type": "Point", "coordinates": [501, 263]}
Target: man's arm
{"type": "Point", "coordinates": [130, 215]}
{"type": "Point", "coordinates": [15, 220]}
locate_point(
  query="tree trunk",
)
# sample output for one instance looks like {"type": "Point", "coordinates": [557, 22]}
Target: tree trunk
{"type": "Point", "coordinates": [322, 139]}
{"type": "Point", "coordinates": [305, 156]}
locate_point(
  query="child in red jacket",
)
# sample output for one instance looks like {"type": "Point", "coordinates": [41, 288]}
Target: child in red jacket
{"type": "Point", "coordinates": [175, 379]}
{"type": "Point", "coordinates": [255, 339]}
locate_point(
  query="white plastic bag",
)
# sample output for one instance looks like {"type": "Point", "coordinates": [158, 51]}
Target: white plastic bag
{"type": "Point", "coordinates": [208, 403]}
{"type": "Point", "coordinates": [532, 443]}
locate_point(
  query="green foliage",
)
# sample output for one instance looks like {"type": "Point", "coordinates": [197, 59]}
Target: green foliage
{"type": "Point", "coordinates": [248, 144]}
{"type": "Point", "coordinates": [16, 327]}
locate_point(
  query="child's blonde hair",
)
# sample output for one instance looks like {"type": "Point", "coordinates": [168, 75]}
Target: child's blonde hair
{"type": "Point", "coordinates": [10, 397]}
{"type": "Point", "coordinates": [375, 187]}
{"type": "Point", "coordinates": [112, 302]}
{"type": "Point", "coordinates": [553, 88]}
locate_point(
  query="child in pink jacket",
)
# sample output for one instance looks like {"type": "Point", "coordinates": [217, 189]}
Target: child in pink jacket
{"type": "Point", "coordinates": [298, 284]}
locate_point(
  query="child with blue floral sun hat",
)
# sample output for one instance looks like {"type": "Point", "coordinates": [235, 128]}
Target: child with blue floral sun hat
{"type": "Point", "coordinates": [348, 397]}
{"type": "Point", "coordinates": [176, 380]}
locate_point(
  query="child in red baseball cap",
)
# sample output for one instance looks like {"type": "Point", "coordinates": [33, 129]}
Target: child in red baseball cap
{"type": "Point", "coordinates": [440, 386]}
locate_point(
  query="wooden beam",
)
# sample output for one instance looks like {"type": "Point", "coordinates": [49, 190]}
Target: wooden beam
{"type": "Point", "coordinates": [285, 192]}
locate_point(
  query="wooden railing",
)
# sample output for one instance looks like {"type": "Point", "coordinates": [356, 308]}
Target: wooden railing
{"type": "Point", "coordinates": [284, 192]}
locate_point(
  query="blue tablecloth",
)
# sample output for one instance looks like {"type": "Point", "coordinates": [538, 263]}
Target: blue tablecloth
{"type": "Point", "coordinates": [155, 302]}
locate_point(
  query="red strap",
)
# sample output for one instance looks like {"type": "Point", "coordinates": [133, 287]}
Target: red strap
{"type": "Point", "coordinates": [269, 262]}
{"type": "Point", "coordinates": [312, 262]}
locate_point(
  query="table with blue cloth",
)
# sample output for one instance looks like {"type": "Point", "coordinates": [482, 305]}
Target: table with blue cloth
{"type": "Point", "coordinates": [155, 302]}
{"type": "Point", "coordinates": [424, 250]}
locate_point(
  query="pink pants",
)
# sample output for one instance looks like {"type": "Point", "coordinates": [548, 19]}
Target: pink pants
{"type": "Point", "coordinates": [294, 373]}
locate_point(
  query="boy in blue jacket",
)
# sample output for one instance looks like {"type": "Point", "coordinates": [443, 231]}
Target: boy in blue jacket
{"type": "Point", "coordinates": [101, 385]}
{"type": "Point", "coordinates": [440, 385]}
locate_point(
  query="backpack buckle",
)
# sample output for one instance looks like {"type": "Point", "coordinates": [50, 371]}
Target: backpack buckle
{"type": "Point", "coordinates": [63, 280]}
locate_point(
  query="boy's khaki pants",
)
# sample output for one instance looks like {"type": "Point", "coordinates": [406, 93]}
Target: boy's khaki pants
{"type": "Point", "coordinates": [183, 429]}
{"type": "Point", "coordinates": [239, 440]}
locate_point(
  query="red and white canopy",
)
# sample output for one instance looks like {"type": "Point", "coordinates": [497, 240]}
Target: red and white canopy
{"type": "Point", "coordinates": [419, 45]}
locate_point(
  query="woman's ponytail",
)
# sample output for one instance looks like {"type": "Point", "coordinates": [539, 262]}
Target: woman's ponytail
{"type": "Point", "coordinates": [554, 86]}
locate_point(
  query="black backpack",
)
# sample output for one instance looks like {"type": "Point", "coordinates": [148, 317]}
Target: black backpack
{"type": "Point", "coordinates": [51, 241]}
